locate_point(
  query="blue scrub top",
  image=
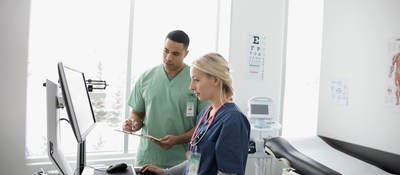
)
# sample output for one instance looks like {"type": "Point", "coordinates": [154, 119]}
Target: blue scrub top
{"type": "Point", "coordinates": [224, 146]}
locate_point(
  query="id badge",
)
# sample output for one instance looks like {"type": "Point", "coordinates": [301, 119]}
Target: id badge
{"type": "Point", "coordinates": [192, 167]}
{"type": "Point", "coordinates": [190, 109]}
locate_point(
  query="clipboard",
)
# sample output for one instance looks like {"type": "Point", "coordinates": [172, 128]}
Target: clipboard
{"type": "Point", "coordinates": [140, 135]}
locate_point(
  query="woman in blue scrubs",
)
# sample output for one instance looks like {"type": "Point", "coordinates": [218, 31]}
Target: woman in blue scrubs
{"type": "Point", "coordinates": [219, 145]}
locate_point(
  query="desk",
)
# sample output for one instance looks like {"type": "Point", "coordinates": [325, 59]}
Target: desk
{"type": "Point", "coordinates": [99, 171]}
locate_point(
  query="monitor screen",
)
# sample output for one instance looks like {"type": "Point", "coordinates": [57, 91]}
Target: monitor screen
{"type": "Point", "coordinates": [76, 101]}
{"type": "Point", "coordinates": [259, 109]}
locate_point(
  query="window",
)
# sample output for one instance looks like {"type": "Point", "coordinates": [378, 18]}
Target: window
{"type": "Point", "coordinates": [152, 23]}
{"type": "Point", "coordinates": [95, 37]}
{"type": "Point", "coordinates": [91, 39]}
{"type": "Point", "coordinates": [304, 41]}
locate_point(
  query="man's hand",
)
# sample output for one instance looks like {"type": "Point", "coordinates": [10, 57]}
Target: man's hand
{"type": "Point", "coordinates": [132, 125]}
{"type": "Point", "coordinates": [134, 122]}
{"type": "Point", "coordinates": [170, 140]}
{"type": "Point", "coordinates": [167, 142]}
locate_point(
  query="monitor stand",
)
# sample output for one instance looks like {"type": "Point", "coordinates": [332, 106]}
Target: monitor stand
{"type": "Point", "coordinates": [54, 103]}
{"type": "Point", "coordinates": [81, 156]}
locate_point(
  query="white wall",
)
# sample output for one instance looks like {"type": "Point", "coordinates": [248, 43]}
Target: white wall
{"type": "Point", "coordinates": [355, 50]}
{"type": "Point", "coordinates": [263, 17]}
{"type": "Point", "coordinates": [14, 20]}
{"type": "Point", "coordinates": [267, 18]}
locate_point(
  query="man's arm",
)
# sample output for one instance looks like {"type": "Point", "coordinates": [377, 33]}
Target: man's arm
{"type": "Point", "coordinates": [185, 137]}
{"type": "Point", "coordinates": [170, 140]}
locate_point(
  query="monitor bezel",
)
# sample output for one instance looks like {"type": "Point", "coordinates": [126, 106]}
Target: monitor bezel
{"type": "Point", "coordinates": [79, 135]}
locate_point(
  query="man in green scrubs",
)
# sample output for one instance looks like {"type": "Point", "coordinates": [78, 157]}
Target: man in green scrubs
{"type": "Point", "coordinates": [163, 106]}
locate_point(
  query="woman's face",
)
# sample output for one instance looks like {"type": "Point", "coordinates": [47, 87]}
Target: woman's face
{"type": "Point", "coordinates": [205, 87]}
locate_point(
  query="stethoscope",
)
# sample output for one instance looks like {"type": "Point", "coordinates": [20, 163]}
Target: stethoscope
{"type": "Point", "coordinates": [209, 121]}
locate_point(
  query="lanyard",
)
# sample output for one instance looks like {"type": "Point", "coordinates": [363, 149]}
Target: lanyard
{"type": "Point", "coordinates": [209, 122]}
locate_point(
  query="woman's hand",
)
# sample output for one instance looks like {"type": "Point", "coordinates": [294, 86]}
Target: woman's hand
{"type": "Point", "coordinates": [153, 169]}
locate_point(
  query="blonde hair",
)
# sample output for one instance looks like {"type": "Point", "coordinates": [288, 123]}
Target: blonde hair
{"type": "Point", "coordinates": [213, 64]}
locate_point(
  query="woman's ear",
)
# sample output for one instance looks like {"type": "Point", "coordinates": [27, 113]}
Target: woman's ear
{"type": "Point", "coordinates": [216, 81]}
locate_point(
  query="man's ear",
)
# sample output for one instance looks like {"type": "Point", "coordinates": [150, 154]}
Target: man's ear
{"type": "Point", "coordinates": [186, 53]}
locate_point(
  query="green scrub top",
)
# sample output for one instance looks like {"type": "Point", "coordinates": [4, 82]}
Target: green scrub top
{"type": "Point", "coordinates": [167, 104]}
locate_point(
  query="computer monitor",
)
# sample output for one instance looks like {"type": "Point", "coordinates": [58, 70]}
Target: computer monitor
{"type": "Point", "coordinates": [76, 101]}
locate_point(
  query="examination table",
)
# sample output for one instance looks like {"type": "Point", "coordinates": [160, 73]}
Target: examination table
{"type": "Point", "coordinates": [312, 156]}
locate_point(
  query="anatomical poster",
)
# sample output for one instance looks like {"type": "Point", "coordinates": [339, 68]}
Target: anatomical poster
{"type": "Point", "coordinates": [392, 91]}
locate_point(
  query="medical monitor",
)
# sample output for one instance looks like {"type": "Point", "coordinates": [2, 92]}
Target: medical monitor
{"type": "Point", "coordinates": [76, 101]}
{"type": "Point", "coordinates": [260, 107]}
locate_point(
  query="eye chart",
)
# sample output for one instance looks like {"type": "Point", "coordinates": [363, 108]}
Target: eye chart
{"type": "Point", "coordinates": [256, 57]}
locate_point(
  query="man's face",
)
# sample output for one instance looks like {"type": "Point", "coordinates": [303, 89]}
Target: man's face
{"type": "Point", "coordinates": [173, 55]}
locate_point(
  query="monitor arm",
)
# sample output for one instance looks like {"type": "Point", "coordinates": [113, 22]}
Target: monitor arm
{"type": "Point", "coordinates": [53, 129]}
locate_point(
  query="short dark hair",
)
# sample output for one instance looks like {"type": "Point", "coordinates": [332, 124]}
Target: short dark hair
{"type": "Point", "coordinates": [179, 36]}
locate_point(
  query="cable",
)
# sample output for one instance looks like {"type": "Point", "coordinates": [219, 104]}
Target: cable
{"type": "Point", "coordinates": [64, 119]}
